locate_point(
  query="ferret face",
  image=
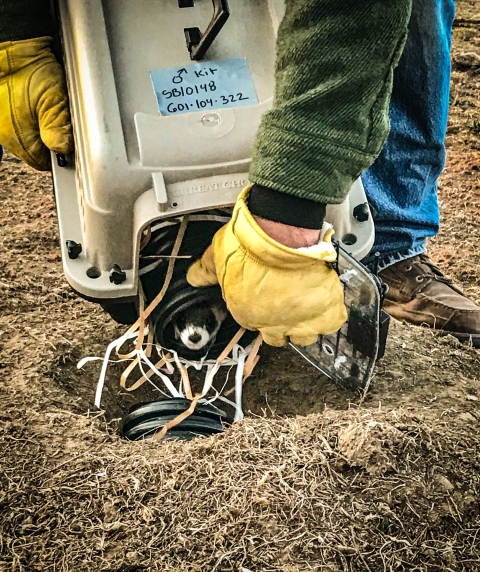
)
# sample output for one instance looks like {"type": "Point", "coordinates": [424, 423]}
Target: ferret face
{"type": "Point", "coordinates": [197, 326]}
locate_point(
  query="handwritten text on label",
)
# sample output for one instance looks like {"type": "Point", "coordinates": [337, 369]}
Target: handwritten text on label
{"type": "Point", "coordinates": [204, 85]}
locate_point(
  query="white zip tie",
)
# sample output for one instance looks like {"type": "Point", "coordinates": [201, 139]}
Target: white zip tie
{"type": "Point", "coordinates": [145, 376]}
{"type": "Point", "coordinates": [101, 380]}
{"type": "Point", "coordinates": [239, 386]}
{"type": "Point", "coordinates": [225, 382]}
{"type": "Point", "coordinates": [85, 360]}
{"type": "Point", "coordinates": [239, 357]}
{"type": "Point", "coordinates": [209, 378]}
{"type": "Point", "coordinates": [173, 390]}
{"type": "Point", "coordinates": [234, 405]}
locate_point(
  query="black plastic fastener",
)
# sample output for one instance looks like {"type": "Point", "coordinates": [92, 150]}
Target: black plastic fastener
{"type": "Point", "coordinates": [198, 43]}
{"type": "Point", "coordinates": [383, 333]}
{"type": "Point", "coordinates": [117, 275]}
{"type": "Point", "coordinates": [361, 212]}
{"type": "Point", "coordinates": [74, 249]}
{"type": "Point", "coordinates": [61, 160]}
{"type": "Point", "coordinates": [193, 37]}
{"type": "Point", "coordinates": [376, 265]}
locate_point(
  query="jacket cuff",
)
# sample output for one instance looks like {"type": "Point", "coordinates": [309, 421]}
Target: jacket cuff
{"type": "Point", "coordinates": [25, 19]}
{"type": "Point", "coordinates": [287, 209]}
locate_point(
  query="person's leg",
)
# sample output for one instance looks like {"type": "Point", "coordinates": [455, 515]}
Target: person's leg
{"type": "Point", "coordinates": [401, 185]}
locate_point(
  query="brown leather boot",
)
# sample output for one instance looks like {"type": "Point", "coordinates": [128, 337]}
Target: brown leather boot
{"type": "Point", "coordinates": [420, 294]}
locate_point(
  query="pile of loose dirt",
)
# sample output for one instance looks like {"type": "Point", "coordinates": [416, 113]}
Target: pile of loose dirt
{"type": "Point", "coordinates": [340, 491]}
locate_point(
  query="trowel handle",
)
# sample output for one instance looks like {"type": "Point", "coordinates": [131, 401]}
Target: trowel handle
{"type": "Point", "coordinates": [198, 43]}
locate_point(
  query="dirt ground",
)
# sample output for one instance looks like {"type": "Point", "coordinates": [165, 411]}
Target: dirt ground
{"type": "Point", "coordinates": [316, 478]}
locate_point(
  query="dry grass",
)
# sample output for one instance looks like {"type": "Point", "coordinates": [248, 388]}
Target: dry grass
{"type": "Point", "coordinates": [340, 491]}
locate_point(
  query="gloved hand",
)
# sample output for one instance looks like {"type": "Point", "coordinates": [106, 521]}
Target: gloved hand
{"type": "Point", "coordinates": [280, 291]}
{"type": "Point", "coordinates": [33, 101]}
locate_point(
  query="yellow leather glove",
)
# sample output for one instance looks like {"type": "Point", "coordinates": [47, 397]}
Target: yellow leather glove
{"type": "Point", "coordinates": [34, 115]}
{"type": "Point", "coordinates": [282, 292]}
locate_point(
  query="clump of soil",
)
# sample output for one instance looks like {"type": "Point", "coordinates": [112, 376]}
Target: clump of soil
{"type": "Point", "coordinates": [350, 490]}
{"type": "Point", "coordinates": [316, 477]}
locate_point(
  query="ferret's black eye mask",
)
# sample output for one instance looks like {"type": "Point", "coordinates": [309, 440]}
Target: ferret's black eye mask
{"type": "Point", "coordinates": [196, 316]}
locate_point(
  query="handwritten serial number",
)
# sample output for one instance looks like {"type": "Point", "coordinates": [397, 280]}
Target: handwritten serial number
{"type": "Point", "coordinates": [190, 90]}
{"type": "Point", "coordinates": [174, 107]}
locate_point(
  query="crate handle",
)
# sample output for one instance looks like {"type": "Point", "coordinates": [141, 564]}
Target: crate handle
{"type": "Point", "coordinates": [198, 43]}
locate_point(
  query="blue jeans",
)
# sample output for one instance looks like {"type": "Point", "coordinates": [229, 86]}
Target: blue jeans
{"type": "Point", "coordinates": [401, 185]}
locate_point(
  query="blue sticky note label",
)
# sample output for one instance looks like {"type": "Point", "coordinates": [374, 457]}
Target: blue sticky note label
{"type": "Point", "coordinates": [204, 86]}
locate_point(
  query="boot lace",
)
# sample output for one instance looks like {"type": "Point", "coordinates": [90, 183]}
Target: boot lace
{"type": "Point", "coordinates": [439, 276]}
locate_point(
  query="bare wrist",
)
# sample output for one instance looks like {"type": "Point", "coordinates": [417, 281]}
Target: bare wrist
{"type": "Point", "coordinates": [291, 236]}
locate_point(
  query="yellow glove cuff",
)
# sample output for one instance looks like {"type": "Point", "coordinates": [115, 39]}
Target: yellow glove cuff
{"type": "Point", "coordinates": [260, 245]}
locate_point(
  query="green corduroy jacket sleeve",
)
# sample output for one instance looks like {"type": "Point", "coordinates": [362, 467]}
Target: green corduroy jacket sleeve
{"type": "Point", "coordinates": [334, 73]}
{"type": "Point", "coordinates": [25, 19]}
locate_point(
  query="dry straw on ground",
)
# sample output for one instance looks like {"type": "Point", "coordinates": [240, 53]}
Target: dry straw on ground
{"type": "Point", "coordinates": [346, 491]}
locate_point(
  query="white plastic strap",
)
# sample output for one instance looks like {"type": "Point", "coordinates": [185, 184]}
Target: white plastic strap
{"type": "Point", "coordinates": [150, 381]}
{"type": "Point", "coordinates": [239, 386]}
{"type": "Point", "coordinates": [106, 359]}
{"type": "Point", "coordinates": [173, 390]}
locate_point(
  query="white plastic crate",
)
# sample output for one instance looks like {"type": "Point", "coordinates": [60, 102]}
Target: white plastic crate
{"type": "Point", "coordinates": [132, 164]}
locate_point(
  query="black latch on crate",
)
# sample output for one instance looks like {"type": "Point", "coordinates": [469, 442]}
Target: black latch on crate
{"type": "Point", "coordinates": [198, 43]}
